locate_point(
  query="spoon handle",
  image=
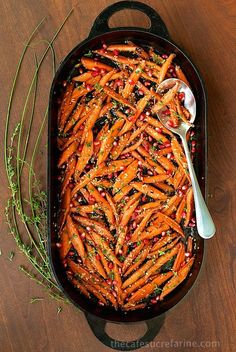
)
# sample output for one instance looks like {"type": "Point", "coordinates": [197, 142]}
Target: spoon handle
{"type": "Point", "coordinates": [205, 224]}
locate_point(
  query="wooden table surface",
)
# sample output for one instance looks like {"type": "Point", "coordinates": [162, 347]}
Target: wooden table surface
{"type": "Point", "coordinates": [204, 28]}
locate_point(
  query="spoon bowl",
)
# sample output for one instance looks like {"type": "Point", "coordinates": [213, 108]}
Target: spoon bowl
{"type": "Point", "coordinates": [205, 224]}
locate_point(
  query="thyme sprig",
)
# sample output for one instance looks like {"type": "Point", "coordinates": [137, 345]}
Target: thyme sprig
{"type": "Point", "coordinates": [26, 211]}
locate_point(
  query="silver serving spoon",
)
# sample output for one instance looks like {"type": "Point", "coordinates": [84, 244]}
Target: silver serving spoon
{"type": "Point", "coordinates": [205, 225]}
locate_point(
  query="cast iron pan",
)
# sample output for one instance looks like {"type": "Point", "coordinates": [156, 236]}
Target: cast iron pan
{"type": "Point", "coordinates": [158, 37]}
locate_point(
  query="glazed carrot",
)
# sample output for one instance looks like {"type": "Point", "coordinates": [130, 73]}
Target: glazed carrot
{"type": "Point", "coordinates": [121, 233]}
{"type": "Point", "coordinates": [140, 107]}
{"type": "Point", "coordinates": [67, 153]}
{"type": "Point", "coordinates": [127, 215]}
{"type": "Point", "coordinates": [179, 212]}
{"type": "Point", "coordinates": [131, 257]}
{"type": "Point", "coordinates": [100, 137]}
{"type": "Point", "coordinates": [173, 224]}
{"type": "Point", "coordinates": [155, 179]}
{"type": "Point", "coordinates": [95, 261]}
{"type": "Point", "coordinates": [149, 190]}
{"type": "Point", "coordinates": [179, 258]}
{"type": "Point", "coordinates": [74, 237]}
{"type": "Point", "coordinates": [83, 77]}
{"type": "Point", "coordinates": [125, 176]}
{"type": "Point", "coordinates": [118, 97]}
{"type": "Point", "coordinates": [149, 288]}
{"type": "Point", "coordinates": [165, 67]}
{"type": "Point", "coordinates": [181, 115]}
{"type": "Point", "coordinates": [137, 132]}
{"type": "Point", "coordinates": [172, 205]}
{"type": "Point", "coordinates": [142, 225]}
{"type": "Point", "coordinates": [119, 195]}
{"type": "Point", "coordinates": [118, 284]}
{"type": "Point", "coordinates": [122, 47]}
{"type": "Point", "coordinates": [153, 133]}
{"type": "Point", "coordinates": [157, 124]}
{"type": "Point", "coordinates": [99, 228]}
{"type": "Point", "coordinates": [138, 260]}
{"type": "Point", "coordinates": [113, 166]}
{"type": "Point", "coordinates": [107, 294]}
{"type": "Point", "coordinates": [133, 79]}
{"type": "Point", "coordinates": [104, 261]}
{"type": "Point", "coordinates": [68, 174]}
{"type": "Point", "coordinates": [112, 206]}
{"type": "Point", "coordinates": [106, 78]}
{"type": "Point", "coordinates": [166, 98]}
{"type": "Point", "coordinates": [91, 64]}
{"type": "Point", "coordinates": [151, 205]}
{"type": "Point", "coordinates": [65, 243]}
{"type": "Point", "coordinates": [65, 101]}
{"type": "Point", "coordinates": [189, 205]}
{"type": "Point", "coordinates": [91, 120]}
{"type": "Point", "coordinates": [85, 155]}
{"type": "Point", "coordinates": [177, 177]}
{"type": "Point", "coordinates": [167, 247]}
{"type": "Point", "coordinates": [102, 183]}
{"type": "Point", "coordinates": [94, 290]}
{"type": "Point", "coordinates": [178, 153]}
{"type": "Point", "coordinates": [131, 200]}
{"type": "Point", "coordinates": [82, 272]}
{"type": "Point", "coordinates": [117, 58]}
{"type": "Point", "coordinates": [121, 144]}
{"type": "Point", "coordinates": [81, 287]}
{"type": "Point", "coordinates": [74, 118]}
{"type": "Point", "coordinates": [149, 268]}
{"type": "Point", "coordinates": [133, 146]}
{"type": "Point", "coordinates": [176, 280]}
{"type": "Point", "coordinates": [190, 245]}
{"type": "Point", "coordinates": [155, 232]}
{"type": "Point", "coordinates": [163, 241]}
{"type": "Point", "coordinates": [65, 207]}
{"type": "Point", "coordinates": [181, 75]}
{"type": "Point", "coordinates": [107, 142]}
{"type": "Point", "coordinates": [85, 180]}
{"type": "Point", "coordinates": [104, 246]}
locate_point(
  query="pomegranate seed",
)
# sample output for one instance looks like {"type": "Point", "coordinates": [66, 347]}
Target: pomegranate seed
{"type": "Point", "coordinates": [97, 256]}
{"type": "Point", "coordinates": [137, 210]}
{"type": "Point", "coordinates": [143, 198]}
{"type": "Point", "coordinates": [88, 228]}
{"type": "Point", "coordinates": [181, 96]}
{"type": "Point", "coordinates": [180, 193]}
{"type": "Point", "coordinates": [170, 123]}
{"type": "Point", "coordinates": [91, 199]}
{"type": "Point", "coordinates": [95, 73]}
{"type": "Point", "coordinates": [88, 87]}
{"type": "Point", "coordinates": [80, 70]}
{"type": "Point", "coordinates": [169, 172]}
{"type": "Point", "coordinates": [155, 144]}
{"type": "Point", "coordinates": [122, 168]}
{"type": "Point", "coordinates": [104, 46]}
{"type": "Point", "coordinates": [80, 148]}
{"type": "Point", "coordinates": [115, 174]}
{"type": "Point", "coordinates": [185, 187]}
{"type": "Point", "coordinates": [110, 176]}
{"type": "Point", "coordinates": [161, 146]}
{"type": "Point", "coordinates": [192, 133]}
{"type": "Point", "coordinates": [150, 73]}
{"type": "Point", "coordinates": [159, 130]}
{"type": "Point", "coordinates": [140, 92]}
{"type": "Point", "coordinates": [134, 225]}
{"type": "Point", "coordinates": [116, 52]}
{"type": "Point", "coordinates": [148, 113]}
{"type": "Point", "coordinates": [167, 144]}
{"type": "Point", "coordinates": [83, 235]}
{"type": "Point", "coordinates": [131, 82]}
{"type": "Point", "coordinates": [103, 71]}
{"type": "Point", "coordinates": [174, 75]}
{"type": "Point", "coordinates": [65, 265]}
{"type": "Point", "coordinates": [187, 254]}
{"type": "Point", "coordinates": [153, 301]}
{"type": "Point", "coordinates": [147, 84]}
{"type": "Point", "coordinates": [109, 281]}
{"type": "Point", "coordinates": [166, 112]}
{"type": "Point", "coordinates": [69, 272]}
{"type": "Point", "coordinates": [193, 150]}
{"type": "Point", "coordinates": [110, 265]}
{"type": "Point", "coordinates": [191, 224]}
{"type": "Point", "coordinates": [119, 82]}
{"type": "Point", "coordinates": [100, 189]}
{"type": "Point", "coordinates": [128, 237]}
{"type": "Point", "coordinates": [120, 270]}
{"type": "Point", "coordinates": [164, 56]}
{"type": "Point", "coordinates": [146, 241]}
{"type": "Point", "coordinates": [193, 143]}
{"type": "Point", "coordinates": [102, 51]}
{"type": "Point", "coordinates": [71, 253]}
{"type": "Point", "coordinates": [127, 111]}
{"type": "Point", "coordinates": [150, 173]}
{"type": "Point", "coordinates": [157, 298]}
{"type": "Point", "coordinates": [140, 163]}
{"type": "Point", "coordinates": [114, 282]}
{"type": "Point", "coordinates": [155, 239]}
{"type": "Point", "coordinates": [58, 245]}
{"type": "Point", "coordinates": [193, 220]}
{"type": "Point", "coordinates": [103, 194]}
{"type": "Point", "coordinates": [115, 143]}
{"type": "Point", "coordinates": [142, 117]}
{"type": "Point", "coordinates": [184, 214]}
{"type": "Point", "coordinates": [100, 303]}
{"type": "Point", "coordinates": [163, 233]}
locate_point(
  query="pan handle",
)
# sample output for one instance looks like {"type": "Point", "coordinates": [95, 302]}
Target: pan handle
{"type": "Point", "coordinates": [98, 328]}
{"type": "Point", "coordinates": [101, 26]}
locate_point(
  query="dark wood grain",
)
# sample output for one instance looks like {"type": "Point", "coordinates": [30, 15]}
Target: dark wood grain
{"type": "Point", "coordinates": [205, 30]}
